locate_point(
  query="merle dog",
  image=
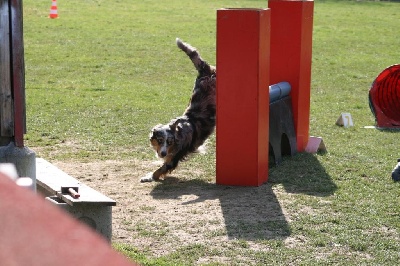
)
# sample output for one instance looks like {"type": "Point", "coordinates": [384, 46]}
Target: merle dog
{"type": "Point", "coordinates": [183, 135]}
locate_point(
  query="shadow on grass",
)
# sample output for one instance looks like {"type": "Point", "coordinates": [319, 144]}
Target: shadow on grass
{"type": "Point", "coordinates": [254, 213]}
{"type": "Point", "coordinates": [303, 174]}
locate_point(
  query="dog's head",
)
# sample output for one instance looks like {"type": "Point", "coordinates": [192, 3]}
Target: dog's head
{"type": "Point", "coordinates": [162, 140]}
{"type": "Point", "coordinates": [169, 139]}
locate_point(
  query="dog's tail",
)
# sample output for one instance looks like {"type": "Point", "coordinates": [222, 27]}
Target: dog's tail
{"type": "Point", "coordinates": [198, 62]}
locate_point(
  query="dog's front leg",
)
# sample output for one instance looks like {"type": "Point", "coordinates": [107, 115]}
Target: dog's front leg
{"type": "Point", "coordinates": [156, 175]}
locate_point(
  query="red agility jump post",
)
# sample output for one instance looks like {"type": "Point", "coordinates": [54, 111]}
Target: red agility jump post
{"type": "Point", "coordinates": [242, 96]}
{"type": "Point", "coordinates": [291, 51]}
{"type": "Point", "coordinates": [257, 48]}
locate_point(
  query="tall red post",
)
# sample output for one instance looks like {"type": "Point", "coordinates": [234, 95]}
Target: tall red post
{"type": "Point", "coordinates": [291, 51]}
{"type": "Point", "coordinates": [242, 96]}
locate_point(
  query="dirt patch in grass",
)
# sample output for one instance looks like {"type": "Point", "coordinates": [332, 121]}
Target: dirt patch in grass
{"type": "Point", "coordinates": [160, 217]}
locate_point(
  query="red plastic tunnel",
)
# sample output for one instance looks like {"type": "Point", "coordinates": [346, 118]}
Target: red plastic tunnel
{"type": "Point", "coordinates": [384, 98]}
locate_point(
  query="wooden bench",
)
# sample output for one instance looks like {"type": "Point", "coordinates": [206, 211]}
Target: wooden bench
{"type": "Point", "coordinates": [92, 207]}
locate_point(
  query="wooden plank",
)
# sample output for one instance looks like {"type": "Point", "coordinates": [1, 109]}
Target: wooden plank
{"type": "Point", "coordinates": [87, 196]}
{"type": "Point", "coordinates": [51, 179]}
{"type": "Point", "coordinates": [6, 101]}
{"type": "Point", "coordinates": [18, 72]}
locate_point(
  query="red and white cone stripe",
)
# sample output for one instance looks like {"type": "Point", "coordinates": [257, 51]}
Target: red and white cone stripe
{"type": "Point", "coordinates": [53, 10]}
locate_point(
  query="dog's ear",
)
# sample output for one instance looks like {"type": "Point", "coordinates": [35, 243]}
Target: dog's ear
{"type": "Point", "coordinates": [172, 127]}
{"type": "Point", "coordinates": [153, 131]}
{"type": "Point", "coordinates": [174, 124]}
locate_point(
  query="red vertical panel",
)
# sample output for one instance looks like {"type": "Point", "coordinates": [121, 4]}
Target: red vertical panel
{"type": "Point", "coordinates": [291, 51]}
{"type": "Point", "coordinates": [242, 96]}
{"type": "Point", "coordinates": [18, 71]}
{"type": "Point", "coordinates": [34, 232]}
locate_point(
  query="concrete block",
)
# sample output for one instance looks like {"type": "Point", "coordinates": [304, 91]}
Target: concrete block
{"type": "Point", "coordinates": [97, 217]}
{"type": "Point", "coordinates": [92, 207]}
{"type": "Point", "coordinates": [23, 159]}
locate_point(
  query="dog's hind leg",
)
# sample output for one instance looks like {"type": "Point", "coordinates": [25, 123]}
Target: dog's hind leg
{"type": "Point", "coordinates": [202, 66]}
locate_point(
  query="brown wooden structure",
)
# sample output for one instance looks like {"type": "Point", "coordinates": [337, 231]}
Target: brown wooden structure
{"type": "Point", "coordinates": [12, 74]}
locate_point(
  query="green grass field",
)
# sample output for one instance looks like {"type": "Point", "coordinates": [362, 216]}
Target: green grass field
{"type": "Point", "coordinates": [103, 73]}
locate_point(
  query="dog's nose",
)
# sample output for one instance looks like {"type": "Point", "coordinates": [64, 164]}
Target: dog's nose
{"type": "Point", "coordinates": [163, 153]}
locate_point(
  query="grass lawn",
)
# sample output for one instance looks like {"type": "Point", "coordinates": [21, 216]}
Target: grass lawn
{"type": "Point", "coordinates": [99, 77]}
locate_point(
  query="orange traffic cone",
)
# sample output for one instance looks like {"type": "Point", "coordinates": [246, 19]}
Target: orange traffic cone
{"type": "Point", "coordinates": [53, 10]}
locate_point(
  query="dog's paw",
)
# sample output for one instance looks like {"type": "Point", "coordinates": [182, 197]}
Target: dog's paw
{"type": "Point", "coordinates": [147, 178]}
